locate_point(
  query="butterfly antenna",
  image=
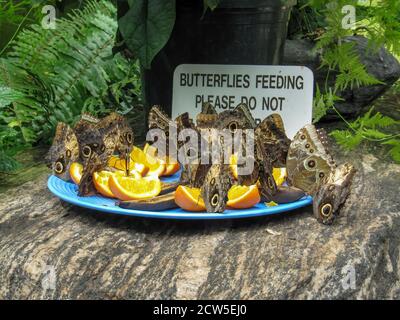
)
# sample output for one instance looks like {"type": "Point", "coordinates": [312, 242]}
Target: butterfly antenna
{"type": "Point", "coordinates": [127, 163]}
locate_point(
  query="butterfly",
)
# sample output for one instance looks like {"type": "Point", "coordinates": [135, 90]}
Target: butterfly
{"type": "Point", "coordinates": [207, 117]}
{"type": "Point", "coordinates": [214, 191]}
{"type": "Point", "coordinates": [64, 151]}
{"type": "Point", "coordinates": [272, 146]}
{"type": "Point", "coordinates": [311, 168]}
{"type": "Point", "coordinates": [117, 136]}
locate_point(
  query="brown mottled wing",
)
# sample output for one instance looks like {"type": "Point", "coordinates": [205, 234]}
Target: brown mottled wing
{"type": "Point", "coordinates": [332, 194]}
{"type": "Point", "coordinates": [267, 181]}
{"type": "Point", "coordinates": [63, 151]}
{"type": "Point", "coordinates": [273, 140]}
{"type": "Point", "coordinates": [309, 162]}
{"type": "Point", "coordinates": [184, 121]}
{"type": "Point", "coordinates": [117, 134]}
{"type": "Point", "coordinates": [207, 117]}
{"type": "Point", "coordinates": [214, 190]}
{"type": "Point", "coordinates": [158, 119]}
{"type": "Point", "coordinates": [244, 109]}
{"type": "Point", "coordinates": [94, 155]}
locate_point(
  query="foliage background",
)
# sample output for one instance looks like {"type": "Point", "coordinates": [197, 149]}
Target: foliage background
{"type": "Point", "coordinates": [48, 76]}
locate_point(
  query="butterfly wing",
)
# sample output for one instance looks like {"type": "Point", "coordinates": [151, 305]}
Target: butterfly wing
{"type": "Point", "coordinates": [63, 151]}
{"type": "Point", "coordinates": [214, 190]}
{"type": "Point", "coordinates": [331, 195]}
{"type": "Point", "coordinates": [208, 116]}
{"type": "Point", "coordinates": [309, 162]}
{"type": "Point", "coordinates": [273, 140]}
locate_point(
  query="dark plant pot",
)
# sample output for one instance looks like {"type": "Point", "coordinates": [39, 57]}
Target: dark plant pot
{"type": "Point", "coordinates": [237, 32]}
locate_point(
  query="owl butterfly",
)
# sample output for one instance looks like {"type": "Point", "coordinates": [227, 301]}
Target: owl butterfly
{"type": "Point", "coordinates": [94, 155]}
{"type": "Point", "coordinates": [311, 168]}
{"type": "Point", "coordinates": [117, 136]}
{"type": "Point", "coordinates": [207, 117]}
{"type": "Point", "coordinates": [158, 119]}
{"type": "Point", "coordinates": [98, 141]}
{"type": "Point", "coordinates": [63, 151]}
{"type": "Point", "coordinates": [272, 146]}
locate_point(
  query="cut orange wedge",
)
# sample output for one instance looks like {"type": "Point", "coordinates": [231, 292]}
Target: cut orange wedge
{"type": "Point", "coordinates": [243, 197]}
{"type": "Point", "coordinates": [129, 188]}
{"type": "Point", "coordinates": [100, 180]}
{"type": "Point", "coordinates": [75, 171]}
{"type": "Point", "coordinates": [140, 168]}
{"type": "Point", "coordinates": [150, 150]}
{"type": "Point", "coordinates": [189, 199]}
{"type": "Point", "coordinates": [172, 166]}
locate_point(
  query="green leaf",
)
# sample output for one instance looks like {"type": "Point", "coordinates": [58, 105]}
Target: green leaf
{"type": "Point", "coordinates": [147, 26]}
{"type": "Point", "coordinates": [7, 163]}
{"type": "Point", "coordinates": [347, 139]}
{"type": "Point", "coordinates": [375, 134]}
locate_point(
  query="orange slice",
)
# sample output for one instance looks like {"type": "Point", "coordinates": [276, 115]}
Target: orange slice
{"type": "Point", "coordinates": [279, 175]}
{"type": "Point", "coordinates": [100, 180]}
{"type": "Point", "coordinates": [130, 188]}
{"type": "Point", "coordinates": [233, 165]}
{"type": "Point", "coordinates": [75, 171]}
{"type": "Point", "coordinates": [140, 168]}
{"type": "Point", "coordinates": [172, 166]}
{"type": "Point", "coordinates": [189, 199]}
{"type": "Point", "coordinates": [243, 197]}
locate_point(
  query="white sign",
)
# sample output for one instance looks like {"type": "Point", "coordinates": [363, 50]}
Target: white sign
{"type": "Point", "coordinates": [287, 90]}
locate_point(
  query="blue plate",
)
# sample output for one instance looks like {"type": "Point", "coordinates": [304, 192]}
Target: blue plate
{"type": "Point", "coordinates": [67, 191]}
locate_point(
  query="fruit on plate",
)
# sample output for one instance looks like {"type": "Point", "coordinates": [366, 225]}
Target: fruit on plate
{"type": "Point", "coordinates": [243, 197]}
{"type": "Point", "coordinates": [172, 166]}
{"type": "Point", "coordinates": [233, 165]}
{"type": "Point", "coordinates": [100, 180]}
{"type": "Point", "coordinates": [189, 199]}
{"type": "Point", "coordinates": [75, 171]}
{"type": "Point", "coordinates": [156, 167]}
{"type": "Point", "coordinates": [131, 188]}
{"type": "Point", "coordinates": [279, 175]}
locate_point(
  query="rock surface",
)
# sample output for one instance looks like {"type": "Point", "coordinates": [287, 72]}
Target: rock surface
{"type": "Point", "coordinates": [381, 64]}
{"type": "Point", "coordinates": [49, 249]}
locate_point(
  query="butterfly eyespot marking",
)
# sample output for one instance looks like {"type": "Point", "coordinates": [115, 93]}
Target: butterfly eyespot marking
{"type": "Point", "coordinates": [311, 163]}
{"type": "Point", "coordinates": [302, 137]}
{"type": "Point", "coordinates": [326, 210]}
{"type": "Point", "coordinates": [86, 151]}
{"type": "Point", "coordinates": [129, 137]}
{"type": "Point", "coordinates": [59, 167]}
{"type": "Point", "coordinates": [233, 126]}
{"type": "Point", "coordinates": [311, 150]}
{"type": "Point", "coordinates": [68, 153]}
{"type": "Point", "coordinates": [307, 145]}
{"type": "Point", "coordinates": [214, 199]}
{"type": "Point", "coordinates": [321, 175]}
